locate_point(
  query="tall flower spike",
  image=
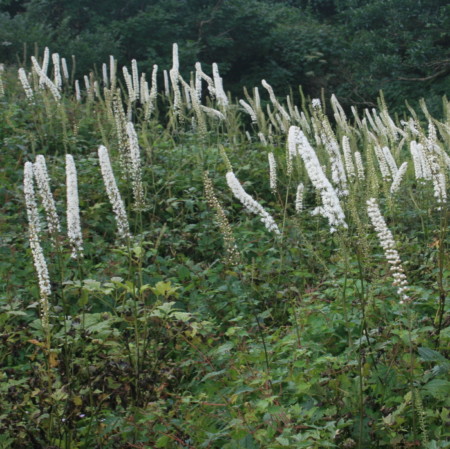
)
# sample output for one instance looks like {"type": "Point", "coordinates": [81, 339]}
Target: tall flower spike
{"type": "Point", "coordinates": [331, 207]}
{"type": "Point", "coordinates": [388, 244]}
{"type": "Point", "coordinates": [299, 198]}
{"type": "Point", "coordinates": [231, 249]}
{"type": "Point", "coordinates": [398, 178]}
{"type": "Point", "coordinates": [136, 173]}
{"type": "Point", "coordinates": [73, 210]}
{"type": "Point", "coordinates": [250, 204]}
{"type": "Point", "coordinates": [36, 249]}
{"type": "Point", "coordinates": [222, 99]}
{"type": "Point", "coordinates": [272, 172]}
{"type": "Point", "coordinates": [26, 85]}
{"type": "Point", "coordinates": [359, 165]}
{"type": "Point", "coordinates": [43, 183]}
{"type": "Point", "coordinates": [113, 193]}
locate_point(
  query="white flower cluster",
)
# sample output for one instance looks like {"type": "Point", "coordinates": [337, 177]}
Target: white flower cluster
{"type": "Point", "coordinates": [73, 210]}
{"type": "Point", "coordinates": [331, 207]}
{"type": "Point", "coordinates": [388, 244]}
{"type": "Point", "coordinates": [421, 166]}
{"type": "Point", "coordinates": [221, 96]}
{"type": "Point", "coordinates": [299, 198]}
{"type": "Point", "coordinates": [36, 249]}
{"type": "Point", "coordinates": [272, 172]}
{"type": "Point", "coordinates": [275, 102]}
{"type": "Point", "coordinates": [113, 193]}
{"type": "Point", "coordinates": [45, 80]}
{"type": "Point", "coordinates": [174, 74]}
{"type": "Point", "coordinates": [349, 166]}
{"type": "Point", "coordinates": [43, 183]}
{"type": "Point", "coordinates": [359, 165]}
{"type": "Point", "coordinates": [398, 178]}
{"type": "Point", "coordinates": [135, 158]}
{"type": "Point", "coordinates": [249, 203]}
{"type": "Point", "coordinates": [249, 110]}
{"type": "Point", "coordinates": [25, 84]}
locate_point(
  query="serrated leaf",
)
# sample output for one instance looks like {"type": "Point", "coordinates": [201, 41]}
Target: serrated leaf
{"type": "Point", "coordinates": [429, 355]}
{"type": "Point", "coordinates": [438, 388]}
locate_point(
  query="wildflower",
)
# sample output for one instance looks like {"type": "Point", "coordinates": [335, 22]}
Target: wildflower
{"type": "Point", "coordinates": [249, 203]}
{"type": "Point", "coordinates": [388, 244]}
{"type": "Point", "coordinates": [262, 139]}
{"type": "Point", "coordinates": [299, 198]}
{"type": "Point", "coordinates": [36, 249]}
{"type": "Point", "coordinates": [231, 249]}
{"type": "Point", "coordinates": [113, 193]}
{"type": "Point", "coordinates": [105, 74]}
{"type": "Point", "coordinates": [25, 84]}
{"type": "Point", "coordinates": [166, 83]}
{"type": "Point", "coordinates": [331, 207]}
{"type": "Point", "coordinates": [135, 78]}
{"type": "Point", "coordinates": [398, 177]}
{"type": "Point", "coordinates": [43, 183]}
{"type": "Point", "coordinates": [112, 71]}
{"type": "Point", "coordinates": [222, 99]}
{"type": "Point", "coordinates": [209, 81]}
{"type": "Point", "coordinates": [272, 172]}
{"type": "Point", "coordinates": [174, 78]}
{"type": "Point", "coordinates": [275, 102]}
{"type": "Point", "coordinates": [65, 70]}
{"type": "Point", "coordinates": [57, 70]}
{"type": "Point", "coordinates": [77, 91]}
{"type": "Point", "coordinates": [359, 165]}
{"type": "Point", "coordinates": [73, 210]}
{"type": "Point", "coordinates": [45, 80]}
{"type": "Point", "coordinates": [249, 110]}
{"type": "Point", "coordinates": [135, 160]}
{"type": "Point", "coordinates": [349, 166]}
{"type": "Point", "coordinates": [129, 83]}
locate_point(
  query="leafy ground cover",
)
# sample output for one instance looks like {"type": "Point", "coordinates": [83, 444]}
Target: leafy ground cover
{"type": "Point", "coordinates": [276, 317]}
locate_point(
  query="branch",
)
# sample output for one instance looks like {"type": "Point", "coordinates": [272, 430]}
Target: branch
{"type": "Point", "coordinates": [427, 78]}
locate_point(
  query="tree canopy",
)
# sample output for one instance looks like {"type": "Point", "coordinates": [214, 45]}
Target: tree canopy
{"type": "Point", "coordinates": [354, 48]}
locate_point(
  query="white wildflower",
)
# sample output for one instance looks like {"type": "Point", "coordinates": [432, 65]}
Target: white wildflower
{"type": "Point", "coordinates": [65, 70]}
{"type": "Point", "coordinates": [331, 207]}
{"type": "Point", "coordinates": [73, 210]}
{"type": "Point", "coordinates": [398, 178]}
{"type": "Point", "coordinates": [136, 172]}
{"type": "Point", "coordinates": [262, 139]}
{"type": "Point", "coordinates": [25, 84]}
{"type": "Point", "coordinates": [43, 183]}
{"type": "Point", "coordinates": [388, 244]}
{"type": "Point", "coordinates": [166, 83]}
{"type": "Point", "coordinates": [57, 70]}
{"type": "Point", "coordinates": [272, 172]}
{"type": "Point", "coordinates": [249, 110]}
{"type": "Point", "coordinates": [36, 249]}
{"type": "Point", "coordinates": [250, 204]}
{"type": "Point", "coordinates": [113, 193]}
{"type": "Point", "coordinates": [105, 75]}
{"type": "Point", "coordinates": [222, 99]}
{"type": "Point", "coordinates": [359, 165]}
{"type": "Point", "coordinates": [316, 103]}
{"type": "Point", "coordinates": [299, 198]}
{"type": "Point", "coordinates": [77, 91]}
{"type": "Point", "coordinates": [349, 166]}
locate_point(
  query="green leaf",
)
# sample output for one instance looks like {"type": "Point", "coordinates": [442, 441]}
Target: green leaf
{"type": "Point", "coordinates": [429, 355]}
{"type": "Point", "coordinates": [438, 388]}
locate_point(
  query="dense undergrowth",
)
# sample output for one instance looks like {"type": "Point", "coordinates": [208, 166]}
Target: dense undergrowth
{"type": "Point", "coordinates": [205, 328]}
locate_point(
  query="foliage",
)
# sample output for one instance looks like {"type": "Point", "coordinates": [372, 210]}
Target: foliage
{"type": "Point", "coordinates": [160, 341]}
{"type": "Point", "coordinates": [352, 48]}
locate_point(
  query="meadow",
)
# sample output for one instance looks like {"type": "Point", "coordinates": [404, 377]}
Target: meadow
{"type": "Point", "coordinates": [183, 269]}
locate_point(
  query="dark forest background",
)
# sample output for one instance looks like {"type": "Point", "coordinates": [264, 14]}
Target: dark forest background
{"type": "Point", "coordinates": [353, 48]}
